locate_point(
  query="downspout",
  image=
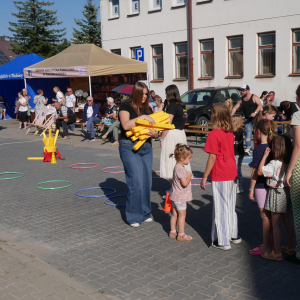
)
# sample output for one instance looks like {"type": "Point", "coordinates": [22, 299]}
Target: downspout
{"type": "Point", "coordinates": [190, 45]}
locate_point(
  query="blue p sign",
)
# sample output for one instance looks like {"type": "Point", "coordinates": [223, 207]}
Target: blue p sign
{"type": "Point", "coordinates": [139, 54]}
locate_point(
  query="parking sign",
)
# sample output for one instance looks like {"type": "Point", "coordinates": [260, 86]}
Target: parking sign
{"type": "Point", "coordinates": [139, 54]}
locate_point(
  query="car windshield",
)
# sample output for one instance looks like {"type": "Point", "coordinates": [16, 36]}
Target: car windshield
{"type": "Point", "coordinates": [197, 97]}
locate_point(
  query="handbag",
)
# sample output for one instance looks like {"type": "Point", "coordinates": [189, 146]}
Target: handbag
{"type": "Point", "coordinates": [28, 111]}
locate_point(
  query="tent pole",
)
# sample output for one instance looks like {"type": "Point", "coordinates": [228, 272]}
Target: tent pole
{"type": "Point", "coordinates": [90, 85]}
{"type": "Point", "coordinates": [25, 83]}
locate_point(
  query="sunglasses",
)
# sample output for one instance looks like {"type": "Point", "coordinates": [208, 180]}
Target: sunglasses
{"type": "Point", "coordinates": [89, 100]}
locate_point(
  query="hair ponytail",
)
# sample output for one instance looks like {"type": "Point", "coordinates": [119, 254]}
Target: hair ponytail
{"type": "Point", "coordinates": [181, 150]}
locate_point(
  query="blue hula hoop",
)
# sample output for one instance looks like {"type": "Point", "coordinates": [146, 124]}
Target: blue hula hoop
{"type": "Point", "coordinates": [112, 204]}
{"type": "Point", "coordinates": [95, 196]}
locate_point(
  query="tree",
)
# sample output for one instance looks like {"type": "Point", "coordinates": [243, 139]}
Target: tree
{"type": "Point", "coordinates": [90, 30]}
{"type": "Point", "coordinates": [34, 28]}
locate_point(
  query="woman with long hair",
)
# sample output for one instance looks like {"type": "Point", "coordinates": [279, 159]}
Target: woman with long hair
{"type": "Point", "coordinates": [137, 164]}
{"type": "Point", "coordinates": [170, 138]}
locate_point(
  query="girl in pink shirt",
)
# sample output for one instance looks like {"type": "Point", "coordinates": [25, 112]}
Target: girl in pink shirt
{"type": "Point", "coordinates": [181, 191]}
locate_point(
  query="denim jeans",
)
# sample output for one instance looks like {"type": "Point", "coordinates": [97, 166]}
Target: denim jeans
{"type": "Point", "coordinates": [248, 129]}
{"type": "Point", "coordinates": [279, 119]}
{"type": "Point", "coordinates": [138, 174]}
{"type": "Point", "coordinates": [90, 125]}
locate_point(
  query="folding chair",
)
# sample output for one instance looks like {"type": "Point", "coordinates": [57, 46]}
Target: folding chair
{"type": "Point", "coordinates": [38, 121]}
{"type": "Point", "coordinates": [47, 125]}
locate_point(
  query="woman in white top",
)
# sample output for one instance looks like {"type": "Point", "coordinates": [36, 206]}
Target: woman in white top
{"type": "Point", "coordinates": [59, 95]}
{"type": "Point", "coordinates": [23, 108]}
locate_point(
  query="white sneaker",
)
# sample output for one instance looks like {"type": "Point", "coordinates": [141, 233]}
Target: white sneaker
{"type": "Point", "coordinates": [216, 245]}
{"type": "Point", "coordinates": [148, 220]}
{"type": "Point", "coordinates": [239, 190]}
{"type": "Point", "coordinates": [247, 151]}
{"type": "Point", "coordinates": [236, 240]}
{"type": "Point", "coordinates": [134, 225]}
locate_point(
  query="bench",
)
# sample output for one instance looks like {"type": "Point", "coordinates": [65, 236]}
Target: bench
{"type": "Point", "coordinates": [197, 129]}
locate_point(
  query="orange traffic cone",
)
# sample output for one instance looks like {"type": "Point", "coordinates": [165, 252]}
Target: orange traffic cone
{"type": "Point", "coordinates": [168, 203]}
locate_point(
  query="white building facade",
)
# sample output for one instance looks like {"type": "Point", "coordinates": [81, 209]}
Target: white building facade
{"type": "Point", "coordinates": [234, 42]}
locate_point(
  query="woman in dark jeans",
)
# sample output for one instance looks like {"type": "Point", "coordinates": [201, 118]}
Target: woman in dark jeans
{"type": "Point", "coordinates": [137, 164]}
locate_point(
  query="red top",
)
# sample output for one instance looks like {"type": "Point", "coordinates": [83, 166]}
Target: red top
{"type": "Point", "coordinates": [221, 143]}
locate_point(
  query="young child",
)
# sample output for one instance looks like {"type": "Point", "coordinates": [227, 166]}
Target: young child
{"type": "Point", "coordinates": [181, 191]}
{"type": "Point", "coordinates": [278, 201]}
{"type": "Point", "coordinates": [264, 135]}
{"type": "Point", "coordinates": [239, 152]}
{"type": "Point", "coordinates": [221, 166]}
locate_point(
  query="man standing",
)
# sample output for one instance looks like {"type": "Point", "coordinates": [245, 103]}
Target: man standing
{"type": "Point", "coordinates": [251, 105]}
{"type": "Point", "coordinates": [90, 117]}
{"type": "Point", "coordinates": [64, 119]}
{"type": "Point", "coordinates": [71, 102]}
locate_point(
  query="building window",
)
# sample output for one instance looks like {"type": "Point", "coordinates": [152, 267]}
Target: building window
{"type": "Point", "coordinates": [155, 4]}
{"type": "Point", "coordinates": [207, 58]}
{"type": "Point", "coordinates": [116, 51]}
{"type": "Point", "coordinates": [266, 54]}
{"type": "Point", "coordinates": [114, 8]}
{"type": "Point", "coordinates": [178, 2]}
{"type": "Point", "coordinates": [158, 62]}
{"type": "Point", "coordinates": [132, 51]}
{"type": "Point", "coordinates": [134, 7]}
{"type": "Point", "coordinates": [181, 60]}
{"type": "Point", "coordinates": [296, 51]}
{"type": "Point", "coordinates": [235, 56]}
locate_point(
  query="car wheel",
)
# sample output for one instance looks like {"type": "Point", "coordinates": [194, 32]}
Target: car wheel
{"type": "Point", "coordinates": [202, 121]}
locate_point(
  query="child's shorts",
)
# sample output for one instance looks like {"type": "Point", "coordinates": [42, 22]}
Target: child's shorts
{"type": "Point", "coordinates": [179, 205]}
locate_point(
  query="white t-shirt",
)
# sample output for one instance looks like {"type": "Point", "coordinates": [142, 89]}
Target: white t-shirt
{"type": "Point", "coordinates": [59, 96]}
{"type": "Point", "coordinates": [157, 109]}
{"type": "Point", "coordinates": [70, 100]}
{"type": "Point", "coordinates": [89, 112]}
{"type": "Point", "coordinates": [21, 107]}
{"type": "Point", "coordinates": [275, 172]}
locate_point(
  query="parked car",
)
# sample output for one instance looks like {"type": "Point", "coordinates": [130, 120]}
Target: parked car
{"type": "Point", "coordinates": [199, 102]}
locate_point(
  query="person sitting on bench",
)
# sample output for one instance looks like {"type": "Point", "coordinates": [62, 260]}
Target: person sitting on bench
{"type": "Point", "coordinates": [90, 117]}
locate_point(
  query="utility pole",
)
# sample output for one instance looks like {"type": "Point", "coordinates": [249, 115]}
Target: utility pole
{"type": "Point", "coordinates": [190, 44]}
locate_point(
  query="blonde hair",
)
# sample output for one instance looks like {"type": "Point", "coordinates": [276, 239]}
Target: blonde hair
{"type": "Point", "coordinates": [229, 100]}
{"type": "Point", "coordinates": [267, 109]}
{"type": "Point", "coordinates": [57, 88]}
{"type": "Point", "coordinates": [237, 122]}
{"type": "Point", "coordinates": [181, 150]}
{"type": "Point", "coordinates": [221, 117]}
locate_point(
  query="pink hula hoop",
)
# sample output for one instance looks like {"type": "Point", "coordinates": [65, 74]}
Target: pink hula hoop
{"type": "Point", "coordinates": [118, 167]}
{"type": "Point", "coordinates": [196, 184]}
{"type": "Point", "coordinates": [94, 166]}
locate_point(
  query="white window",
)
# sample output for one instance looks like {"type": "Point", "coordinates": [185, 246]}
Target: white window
{"type": "Point", "coordinates": [134, 7]}
{"type": "Point", "coordinates": [116, 51]}
{"type": "Point", "coordinates": [235, 56]}
{"type": "Point", "coordinates": [114, 8]}
{"type": "Point", "coordinates": [158, 62]}
{"type": "Point", "coordinates": [266, 58]}
{"type": "Point", "coordinates": [155, 4]}
{"type": "Point", "coordinates": [178, 2]}
{"type": "Point", "coordinates": [181, 60]}
{"type": "Point", "coordinates": [207, 58]}
{"type": "Point", "coordinates": [132, 51]}
{"type": "Point", "coordinates": [296, 51]}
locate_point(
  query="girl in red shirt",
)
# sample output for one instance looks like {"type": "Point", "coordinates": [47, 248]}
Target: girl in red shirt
{"type": "Point", "coordinates": [221, 167]}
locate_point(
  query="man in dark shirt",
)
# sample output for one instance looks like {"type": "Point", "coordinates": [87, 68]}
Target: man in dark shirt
{"type": "Point", "coordinates": [289, 108]}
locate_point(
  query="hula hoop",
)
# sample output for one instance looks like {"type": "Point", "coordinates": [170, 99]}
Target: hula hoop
{"type": "Point", "coordinates": [22, 174]}
{"type": "Point", "coordinates": [112, 204]}
{"type": "Point", "coordinates": [119, 167]}
{"type": "Point", "coordinates": [198, 184]}
{"type": "Point", "coordinates": [94, 166]}
{"type": "Point", "coordinates": [56, 188]}
{"type": "Point", "coordinates": [95, 196]}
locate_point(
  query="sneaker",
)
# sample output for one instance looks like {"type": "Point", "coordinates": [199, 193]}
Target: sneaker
{"type": "Point", "coordinates": [20, 127]}
{"type": "Point", "coordinates": [239, 190]}
{"type": "Point", "coordinates": [236, 241]}
{"type": "Point", "coordinates": [148, 220]}
{"type": "Point", "coordinates": [134, 224]}
{"type": "Point", "coordinates": [247, 151]}
{"type": "Point", "coordinates": [216, 245]}
{"type": "Point", "coordinates": [91, 140]}
{"type": "Point", "coordinates": [66, 137]}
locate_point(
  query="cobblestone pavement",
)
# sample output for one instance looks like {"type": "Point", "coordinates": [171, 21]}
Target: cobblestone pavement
{"type": "Point", "coordinates": [89, 241]}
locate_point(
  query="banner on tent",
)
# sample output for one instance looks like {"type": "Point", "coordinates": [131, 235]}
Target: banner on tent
{"type": "Point", "coordinates": [78, 71]}
{"type": "Point", "coordinates": [11, 76]}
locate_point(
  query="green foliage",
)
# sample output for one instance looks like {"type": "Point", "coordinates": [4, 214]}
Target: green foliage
{"type": "Point", "coordinates": [90, 30]}
{"type": "Point", "coordinates": [39, 35]}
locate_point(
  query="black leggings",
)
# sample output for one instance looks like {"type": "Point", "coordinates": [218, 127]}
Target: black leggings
{"type": "Point", "coordinates": [23, 116]}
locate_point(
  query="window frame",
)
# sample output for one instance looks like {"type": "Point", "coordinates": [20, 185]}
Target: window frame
{"type": "Point", "coordinates": [154, 9]}
{"type": "Point", "coordinates": [206, 52]}
{"type": "Point", "coordinates": [157, 56]}
{"type": "Point", "coordinates": [131, 51]}
{"type": "Point", "coordinates": [293, 52]}
{"type": "Point", "coordinates": [265, 47]}
{"type": "Point", "coordinates": [113, 51]}
{"type": "Point", "coordinates": [131, 13]}
{"type": "Point", "coordinates": [175, 4]}
{"type": "Point", "coordinates": [176, 55]}
{"type": "Point", "coordinates": [111, 16]}
{"type": "Point", "coordinates": [234, 50]}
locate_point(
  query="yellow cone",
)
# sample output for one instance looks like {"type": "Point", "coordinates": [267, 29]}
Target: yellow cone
{"type": "Point", "coordinates": [53, 159]}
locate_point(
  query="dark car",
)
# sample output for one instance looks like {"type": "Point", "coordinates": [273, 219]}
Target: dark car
{"type": "Point", "coordinates": [199, 102]}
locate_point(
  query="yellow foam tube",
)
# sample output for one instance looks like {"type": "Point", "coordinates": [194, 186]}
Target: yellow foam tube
{"type": "Point", "coordinates": [50, 133]}
{"type": "Point", "coordinates": [143, 137]}
{"type": "Point", "coordinates": [134, 138]}
{"type": "Point", "coordinates": [44, 135]}
{"type": "Point", "coordinates": [46, 142]}
{"type": "Point", "coordinates": [136, 129]}
{"type": "Point", "coordinates": [35, 158]}
{"type": "Point", "coordinates": [138, 145]}
{"type": "Point", "coordinates": [129, 133]}
{"type": "Point", "coordinates": [55, 138]}
{"type": "Point", "coordinates": [50, 149]}
{"type": "Point", "coordinates": [157, 114]}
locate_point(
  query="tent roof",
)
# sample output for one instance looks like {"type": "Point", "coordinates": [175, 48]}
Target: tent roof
{"type": "Point", "coordinates": [13, 70]}
{"type": "Point", "coordinates": [96, 61]}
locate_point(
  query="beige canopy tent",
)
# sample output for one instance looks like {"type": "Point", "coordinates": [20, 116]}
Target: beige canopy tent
{"type": "Point", "coordinates": [84, 60]}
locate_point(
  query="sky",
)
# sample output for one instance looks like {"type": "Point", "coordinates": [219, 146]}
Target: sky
{"type": "Point", "coordinates": [67, 10]}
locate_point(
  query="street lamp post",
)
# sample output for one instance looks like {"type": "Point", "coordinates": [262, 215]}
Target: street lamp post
{"type": "Point", "coordinates": [22, 22]}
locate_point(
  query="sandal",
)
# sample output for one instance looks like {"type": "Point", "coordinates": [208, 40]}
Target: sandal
{"type": "Point", "coordinates": [104, 136]}
{"type": "Point", "coordinates": [184, 237]}
{"type": "Point", "coordinates": [173, 235]}
{"type": "Point", "coordinates": [287, 250]}
{"type": "Point", "coordinates": [115, 143]}
{"type": "Point", "coordinates": [273, 256]}
{"type": "Point", "coordinates": [255, 252]}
